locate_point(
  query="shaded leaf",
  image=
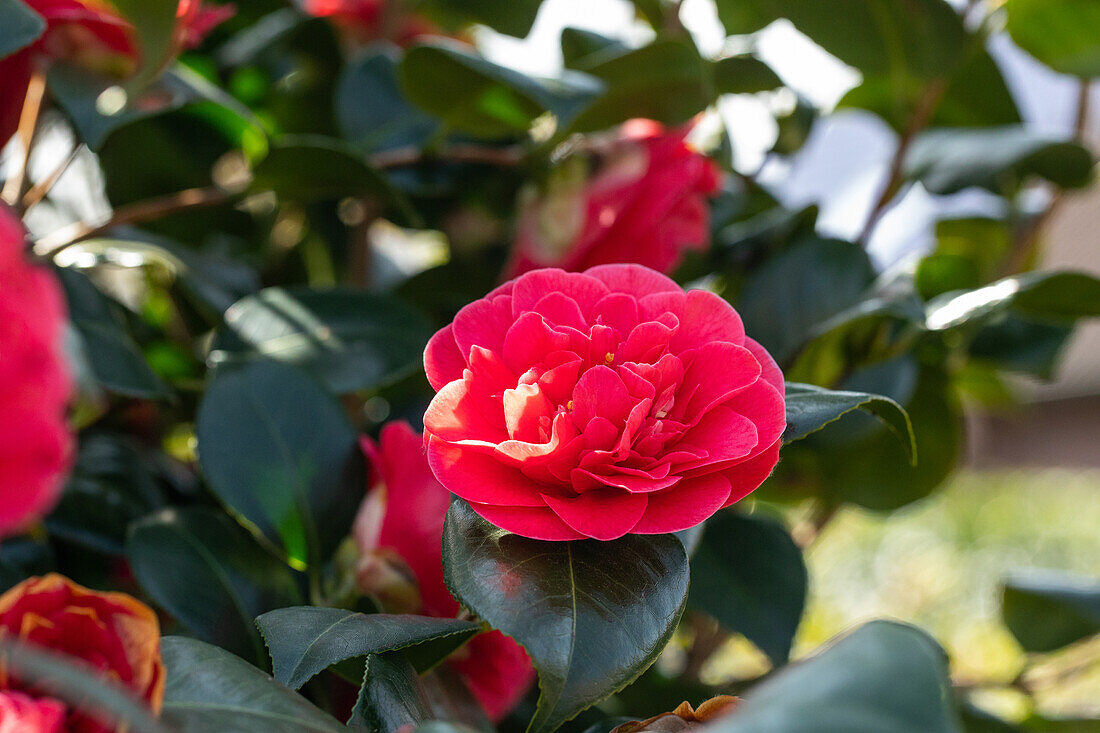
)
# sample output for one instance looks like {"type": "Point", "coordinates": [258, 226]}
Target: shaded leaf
{"type": "Point", "coordinates": [749, 575]}
{"type": "Point", "coordinates": [883, 676]}
{"type": "Point", "coordinates": [21, 26]}
{"type": "Point", "coordinates": [810, 408]}
{"type": "Point", "coordinates": [513, 17]}
{"type": "Point", "coordinates": [370, 108]}
{"type": "Point", "coordinates": [279, 450]}
{"type": "Point", "coordinates": [581, 49]}
{"type": "Point", "coordinates": [306, 640]}
{"type": "Point", "coordinates": [391, 696]}
{"type": "Point", "coordinates": [1060, 296]}
{"type": "Point", "coordinates": [210, 574]}
{"type": "Point", "coordinates": [210, 689]}
{"type": "Point", "coordinates": [591, 615]}
{"type": "Point", "coordinates": [1047, 610]}
{"type": "Point", "coordinates": [744, 74]}
{"type": "Point", "coordinates": [1063, 34]}
{"type": "Point", "coordinates": [348, 339]}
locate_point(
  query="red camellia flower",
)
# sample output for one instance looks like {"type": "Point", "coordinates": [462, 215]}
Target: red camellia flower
{"type": "Point", "coordinates": [34, 438]}
{"type": "Point", "coordinates": [369, 20]}
{"type": "Point", "coordinates": [21, 713]}
{"type": "Point", "coordinates": [89, 33]}
{"type": "Point", "coordinates": [599, 404]}
{"type": "Point", "coordinates": [645, 203]}
{"type": "Point", "coordinates": [399, 533]}
{"type": "Point", "coordinates": [117, 637]}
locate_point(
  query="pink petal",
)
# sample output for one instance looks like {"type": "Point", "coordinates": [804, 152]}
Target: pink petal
{"type": "Point", "coordinates": [634, 280]}
{"type": "Point", "coordinates": [769, 370]}
{"type": "Point", "coordinates": [538, 523]}
{"type": "Point", "coordinates": [633, 484]}
{"type": "Point", "coordinates": [478, 477]}
{"type": "Point", "coordinates": [524, 408]}
{"type": "Point", "coordinates": [707, 317]}
{"type": "Point", "coordinates": [764, 405]}
{"type": "Point", "coordinates": [561, 310]}
{"type": "Point", "coordinates": [686, 505]}
{"type": "Point", "coordinates": [497, 671]}
{"type": "Point", "coordinates": [715, 372]}
{"type": "Point", "coordinates": [602, 514]}
{"type": "Point", "coordinates": [455, 413]}
{"type": "Point", "coordinates": [531, 287]}
{"type": "Point", "coordinates": [724, 434]}
{"type": "Point", "coordinates": [483, 323]}
{"type": "Point", "coordinates": [617, 310]}
{"type": "Point", "coordinates": [600, 392]}
{"type": "Point", "coordinates": [443, 362]}
{"type": "Point", "coordinates": [529, 340]}
{"type": "Point", "coordinates": [747, 476]}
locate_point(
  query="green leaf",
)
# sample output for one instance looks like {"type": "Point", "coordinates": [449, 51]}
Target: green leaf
{"type": "Point", "coordinates": [305, 641]}
{"type": "Point", "coordinates": [665, 81]}
{"type": "Point", "coordinates": [370, 108]}
{"type": "Point", "coordinates": [1018, 344]}
{"type": "Point", "coordinates": [347, 339]}
{"type": "Point", "coordinates": [1047, 610]}
{"type": "Point", "coordinates": [743, 74]}
{"type": "Point", "coordinates": [111, 485]}
{"type": "Point", "coordinates": [279, 450]}
{"type": "Point", "coordinates": [884, 676]}
{"type": "Point", "coordinates": [60, 678]}
{"type": "Point", "coordinates": [114, 358]}
{"type": "Point", "coordinates": [810, 408]}
{"type": "Point", "coordinates": [582, 48]}
{"type": "Point", "coordinates": [391, 696]}
{"type": "Point", "coordinates": [800, 288]}
{"type": "Point", "coordinates": [96, 115]}
{"type": "Point", "coordinates": [210, 575]}
{"type": "Point", "coordinates": [469, 93]}
{"type": "Point", "coordinates": [210, 689]}
{"type": "Point", "coordinates": [316, 168]}
{"type": "Point", "coordinates": [513, 17]}
{"type": "Point", "coordinates": [749, 575]}
{"type": "Point", "coordinates": [21, 26]}
{"type": "Point", "coordinates": [998, 159]}
{"type": "Point", "coordinates": [1063, 34]}
{"type": "Point", "coordinates": [591, 615]}
{"type": "Point", "coordinates": [154, 24]}
{"type": "Point", "coordinates": [1055, 296]}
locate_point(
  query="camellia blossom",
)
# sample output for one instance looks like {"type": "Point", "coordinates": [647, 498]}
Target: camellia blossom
{"type": "Point", "coordinates": [645, 203]}
{"type": "Point", "coordinates": [91, 34]}
{"type": "Point", "coordinates": [598, 404]}
{"type": "Point", "coordinates": [35, 442]}
{"type": "Point", "coordinates": [21, 713]}
{"type": "Point", "coordinates": [112, 634]}
{"type": "Point", "coordinates": [369, 20]}
{"type": "Point", "coordinates": [399, 534]}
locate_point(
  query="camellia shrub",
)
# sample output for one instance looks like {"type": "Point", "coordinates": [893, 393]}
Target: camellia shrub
{"type": "Point", "coordinates": [349, 379]}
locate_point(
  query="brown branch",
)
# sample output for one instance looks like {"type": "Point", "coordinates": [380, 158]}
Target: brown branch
{"type": "Point", "coordinates": [709, 638]}
{"type": "Point", "coordinates": [805, 532]}
{"type": "Point", "coordinates": [28, 124]}
{"type": "Point", "coordinates": [139, 211]}
{"type": "Point", "coordinates": [411, 155]}
{"type": "Point", "coordinates": [922, 115]}
{"type": "Point", "coordinates": [41, 189]}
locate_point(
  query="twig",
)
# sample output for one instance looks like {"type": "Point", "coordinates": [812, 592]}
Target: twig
{"type": "Point", "coordinates": [139, 211]}
{"type": "Point", "coordinates": [1028, 235]}
{"type": "Point", "coordinates": [808, 530]}
{"type": "Point", "coordinates": [411, 155]}
{"type": "Point", "coordinates": [709, 638]}
{"type": "Point", "coordinates": [922, 115]}
{"type": "Point", "coordinates": [28, 123]}
{"type": "Point", "coordinates": [41, 189]}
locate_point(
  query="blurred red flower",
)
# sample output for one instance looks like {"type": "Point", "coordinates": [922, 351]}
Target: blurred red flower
{"type": "Point", "coordinates": [369, 20]}
{"type": "Point", "coordinates": [35, 442]}
{"type": "Point", "coordinates": [399, 533]}
{"type": "Point", "coordinates": [644, 202]}
{"type": "Point", "coordinates": [113, 634]}
{"type": "Point", "coordinates": [599, 404]}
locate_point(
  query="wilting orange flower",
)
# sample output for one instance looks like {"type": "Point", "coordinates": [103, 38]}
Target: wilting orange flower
{"type": "Point", "coordinates": [683, 718]}
{"type": "Point", "coordinates": [112, 633]}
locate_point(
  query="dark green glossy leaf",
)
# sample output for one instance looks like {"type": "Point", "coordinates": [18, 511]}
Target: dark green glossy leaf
{"type": "Point", "coordinates": [210, 689]}
{"type": "Point", "coordinates": [749, 575]}
{"type": "Point", "coordinates": [810, 408]}
{"type": "Point", "coordinates": [1047, 610]}
{"type": "Point", "coordinates": [581, 49]}
{"type": "Point", "coordinates": [349, 340]}
{"type": "Point", "coordinates": [1063, 34]}
{"type": "Point", "coordinates": [58, 677]}
{"type": "Point", "coordinates": [882, 677]}
{"type": "Point", "coordinates": [316, 168]}
{"type": "Point", "coordinates": [391, 696]}
{"type": "Point", "coordinates": [743, 75]}
{"type": "Point", "coordinates": [800, 288]}
{"type": "Point", "coordinates": [1018, 344]}
{"type": "Point", "coordinates": [370, 108]}
{"type": "Point", "coordinates": [81, 95]}
{"type": "Point", "coordinates": [1058, 296]}
{"type": "Point", "coordinates": [665, 81]}
{"type": "Point", "coordinates": [21, 26]}
{"type": "Point", "coordinates": [469, 93]}
{"type": "Point", "coordinates": [111, 353]}
{"type": "Point", "coordinates": [513, 17]}
{"type": "Point", "coordinates": [305, 641]}
{"type": "Point", "coordinates": [279, 450]}
{"type": "Point", "coordinates": [997, 159]}
{"type": "Point", "coordinates": [969, 252]}
{"type": "Point", "coordinates": [211, 575]}
{"type": "Point", "coordinates": [111, 485]}
{"type": "Point", "coordinates": [21, 557]}
{"type": "Point", "coordinates": [592, 615]}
